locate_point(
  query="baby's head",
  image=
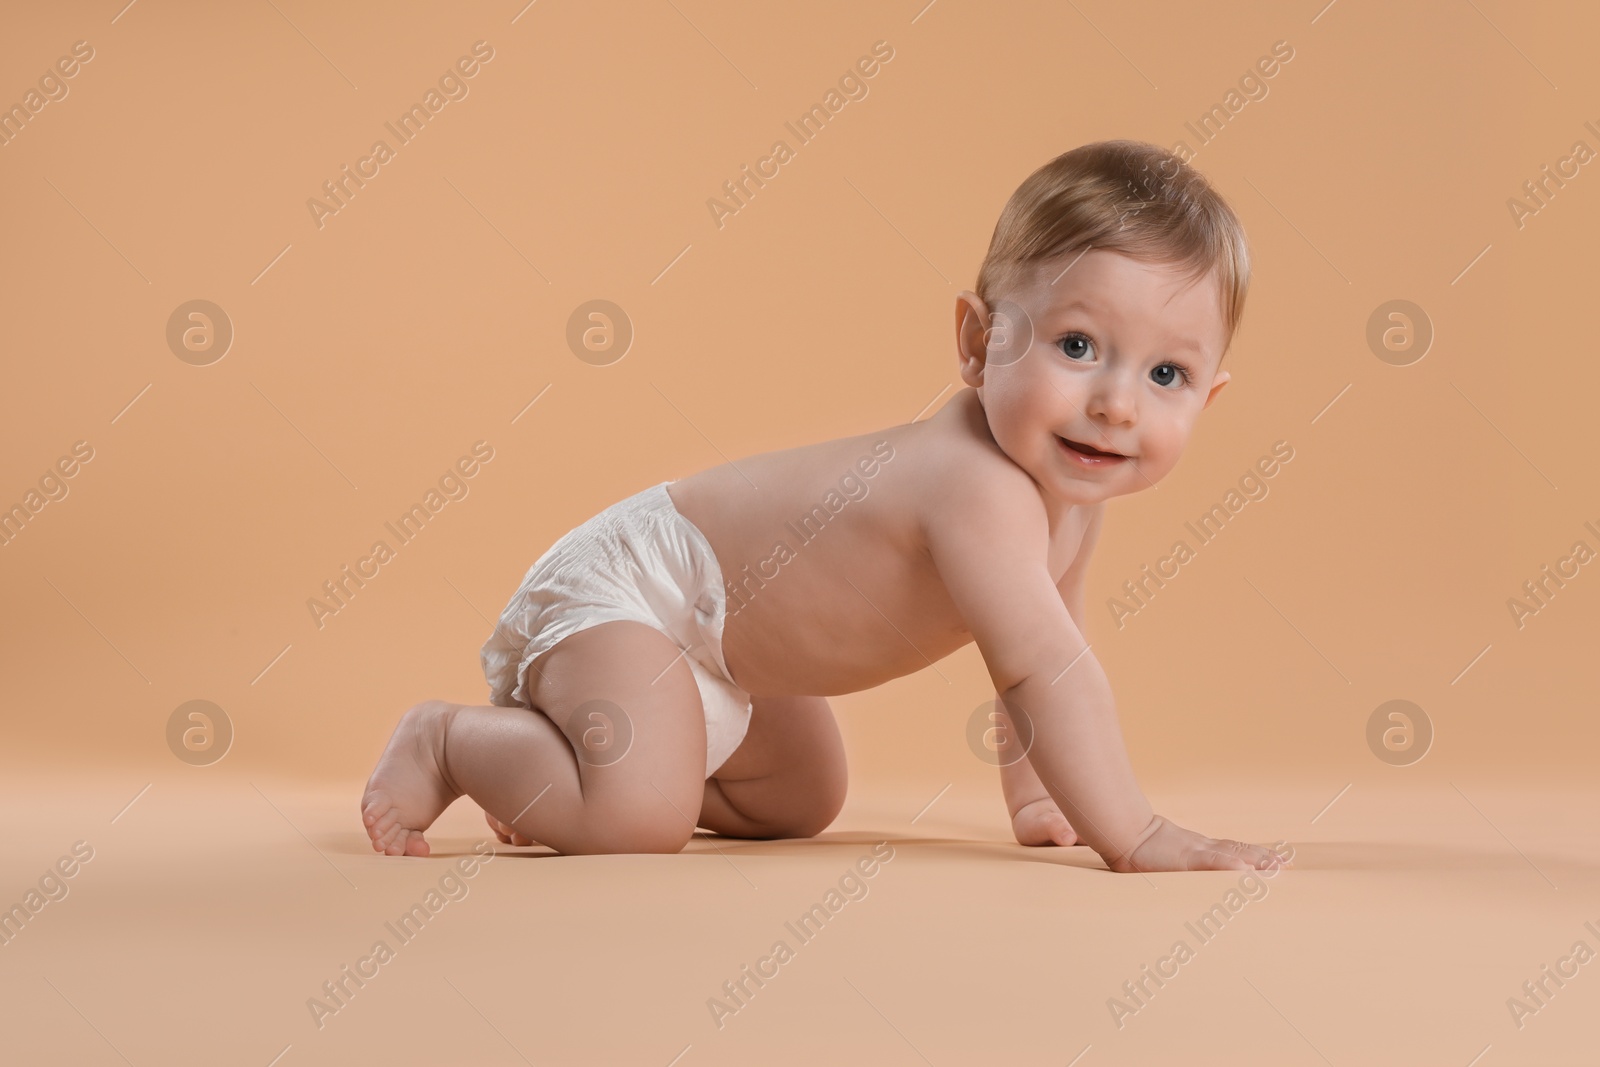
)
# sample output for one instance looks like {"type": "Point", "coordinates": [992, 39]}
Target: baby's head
{"type": "Point", "coordinates": [1112, 288]}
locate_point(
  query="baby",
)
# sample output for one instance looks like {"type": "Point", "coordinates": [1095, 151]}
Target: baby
{"type": "Point", "coordinates": [665, 665]}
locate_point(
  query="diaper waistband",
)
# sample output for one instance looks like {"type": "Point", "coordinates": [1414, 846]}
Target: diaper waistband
{"type": "Point", "coordinates": [710, 605]}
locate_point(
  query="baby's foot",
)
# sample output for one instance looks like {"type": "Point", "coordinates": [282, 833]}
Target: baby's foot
{"type": "Point", "coordinates": [508, 834]}
{"type": "Point", "coordinates": [408, 789]}
{"type": "Point", "coordinates": [1041, 823]}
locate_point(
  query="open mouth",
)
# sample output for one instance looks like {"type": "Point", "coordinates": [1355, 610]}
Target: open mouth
{"type": "Point", "coordinates": [1090, 450]}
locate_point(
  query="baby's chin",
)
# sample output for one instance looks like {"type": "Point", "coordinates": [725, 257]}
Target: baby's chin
{"type": "Point", "coordinates": [1089, 491]}
{"type": "Point", "coordinates": [1084, 498]}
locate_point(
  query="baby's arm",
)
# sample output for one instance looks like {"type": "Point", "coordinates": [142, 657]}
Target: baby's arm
{"type": "Point", "coordinates": [1035, 818]}
{"type": "Point", "coordinates": [989, 541]}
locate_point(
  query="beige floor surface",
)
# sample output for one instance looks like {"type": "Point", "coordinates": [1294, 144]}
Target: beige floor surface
{"type": "Point", "coordinates": [213, 911]}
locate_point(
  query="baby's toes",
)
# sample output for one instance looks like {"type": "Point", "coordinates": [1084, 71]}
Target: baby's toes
{"type": "Point", "coordinates": [383, 829]}
{"type": "Point", "coordinates": [396, 841]}
{"type": "Point", "coordinates": [507, 833]}
{"type": "Point", "coordinates": [389, 839]}
{"type": "Point", "coordinates": [499, 828]}
{"type": "Point", "coordinates": [378, 816]}
{"type": "Point", "coordinates": [406, 842]}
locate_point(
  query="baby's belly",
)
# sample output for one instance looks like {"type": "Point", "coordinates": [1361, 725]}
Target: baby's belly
{"type": "Point", "coordinates": [827, 593]}
{"type": "Point", "coordinates": [818, 652]}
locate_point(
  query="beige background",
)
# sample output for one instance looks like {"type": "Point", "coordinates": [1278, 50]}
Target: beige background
{"type": "Point", "coordinates": [372, 352]}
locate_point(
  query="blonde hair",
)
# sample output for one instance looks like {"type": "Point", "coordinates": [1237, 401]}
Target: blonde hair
{"type": "Point", "coordinates": [1120, 196]}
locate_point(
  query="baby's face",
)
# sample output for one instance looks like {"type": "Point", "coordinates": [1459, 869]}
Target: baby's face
{"type": "Point", "coordinates": [1116, 355]}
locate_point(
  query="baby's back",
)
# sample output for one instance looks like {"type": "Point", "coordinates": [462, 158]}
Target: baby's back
{"type": "Point", "coordinates": [823, 548]}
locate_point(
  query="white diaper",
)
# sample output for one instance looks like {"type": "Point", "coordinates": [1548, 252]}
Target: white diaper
{"type": "Point", "coordinates": [639, 559]}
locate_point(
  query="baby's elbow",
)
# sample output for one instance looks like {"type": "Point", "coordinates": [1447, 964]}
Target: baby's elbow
{"type": "Point", "coordinates": [1008, 684]}
{"type": "Point", "coordinates": [1014, 669]}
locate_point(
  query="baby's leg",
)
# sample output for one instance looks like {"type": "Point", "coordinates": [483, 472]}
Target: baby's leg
{"type": "Point", "coordinates": [520, 764]}
{"type": "Point", "coordinates": [786, 778]}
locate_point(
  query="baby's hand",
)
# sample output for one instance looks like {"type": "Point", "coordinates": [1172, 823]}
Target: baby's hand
{"type": "Point", "coordinates": [1172, 848]}
{"type": "Point", "coordinates": [1041, 823]}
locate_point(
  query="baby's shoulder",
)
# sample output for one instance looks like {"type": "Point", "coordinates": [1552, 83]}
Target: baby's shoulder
{"type": "Point", "coordinates": [959, 462]}
{"type": "Point", "coordinates": [964, 483]}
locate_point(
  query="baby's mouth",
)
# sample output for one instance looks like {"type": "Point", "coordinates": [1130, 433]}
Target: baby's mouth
{"type": "Point", "coordinates": [1090, 450]}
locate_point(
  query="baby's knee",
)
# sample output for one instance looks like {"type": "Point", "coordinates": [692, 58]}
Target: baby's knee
{"type": "Point", "coordinates": [635, 833]}
{"type": "Point", "coordinates": [813, 811]}
{"type": "Point", "coordinates": [819, 815]}
{"type": "Point", "coordinates": [432, 707]}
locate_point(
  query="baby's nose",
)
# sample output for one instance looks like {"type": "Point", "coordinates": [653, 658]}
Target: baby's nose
{"type": "Point", "coordinates": [1114, 403]}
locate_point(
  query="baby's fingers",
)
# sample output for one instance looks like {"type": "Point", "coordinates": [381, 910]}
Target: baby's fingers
{"type": "Point", "coordinates": [1257, 856]}
{"type": "Point", "coordinates": [1227, 855]}
{"type": "Point", "coordinates": [1212, 859]}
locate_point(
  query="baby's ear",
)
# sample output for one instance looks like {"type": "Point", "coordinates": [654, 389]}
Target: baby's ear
{"type": "Point", "coordinates": [972, 327]}
{"type": "Point", "coordinates": [1216, 386]}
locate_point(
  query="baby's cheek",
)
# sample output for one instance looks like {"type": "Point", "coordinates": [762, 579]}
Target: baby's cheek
{"type": "Point", "coordinates": [1164, 449]}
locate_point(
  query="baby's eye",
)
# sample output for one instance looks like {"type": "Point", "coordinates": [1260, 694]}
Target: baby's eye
{"type": "Point", "coordinates": [1075, 346]}
{"type": "Point", "coordinates": [1168, 373]}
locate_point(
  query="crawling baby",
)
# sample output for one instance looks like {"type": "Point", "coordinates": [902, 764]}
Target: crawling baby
{"type": "Point", "coordinates": [666, 664]}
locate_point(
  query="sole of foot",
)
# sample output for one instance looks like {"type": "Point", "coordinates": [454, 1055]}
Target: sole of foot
{"type": "Point", "coordinates": [408, 789]}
